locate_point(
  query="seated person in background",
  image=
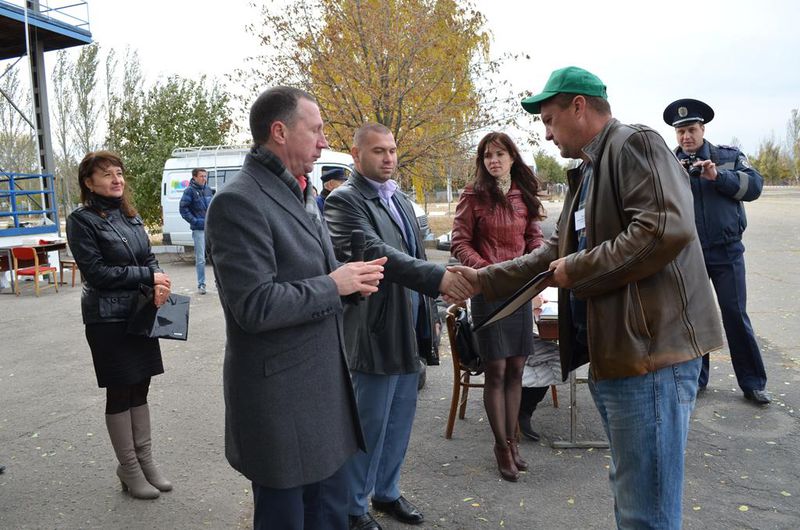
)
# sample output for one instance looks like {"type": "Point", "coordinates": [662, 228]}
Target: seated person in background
{"type": "Point", "coordinates": [542, 369]}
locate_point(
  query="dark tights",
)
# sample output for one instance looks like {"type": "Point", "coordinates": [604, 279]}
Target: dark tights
{"type": "Point", "coordinates": [501, 395]}
{"type": "Point", "coordinates": [120, 398]}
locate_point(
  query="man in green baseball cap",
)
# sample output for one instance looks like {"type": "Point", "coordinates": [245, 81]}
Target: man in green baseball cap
{"type": "Point", "coordinates": [569, 80]}
{"type": "Point", "coordinates": [634, 297]}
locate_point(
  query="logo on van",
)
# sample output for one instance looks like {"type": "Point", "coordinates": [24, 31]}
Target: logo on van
{"type": "Point", "coordinates": [178, 185]}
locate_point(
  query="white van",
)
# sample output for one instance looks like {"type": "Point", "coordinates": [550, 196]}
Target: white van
{"type": "Point", "coordinates": [221, 162]}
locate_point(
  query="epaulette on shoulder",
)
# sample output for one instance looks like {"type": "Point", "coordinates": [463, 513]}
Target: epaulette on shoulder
{"type": "Point", "coordinates": [731, 147]}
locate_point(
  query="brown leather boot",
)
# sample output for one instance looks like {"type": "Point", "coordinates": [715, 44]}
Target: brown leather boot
{"type": "Point", "coordinates": [140, 419]}
{"type": "Point", "coordinates": [505, 462]}
{"type": "Point", "coordinates": [518, 461]}
{"type": "Point", "coordinates": [129, 472]}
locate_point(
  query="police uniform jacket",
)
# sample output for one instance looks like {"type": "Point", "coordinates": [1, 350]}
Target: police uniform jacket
{"type": "Point", "coordinates": [382, 335]}
{"type": "Point", "coordinates": [718, 209]}
{"type": "Point", "coordinates": [649, 301]}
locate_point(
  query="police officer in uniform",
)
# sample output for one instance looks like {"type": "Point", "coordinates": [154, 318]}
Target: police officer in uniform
{"type": "Point", "coordinates": [331, 179]}
{"type": "Point", "coordinates": [721, 179]}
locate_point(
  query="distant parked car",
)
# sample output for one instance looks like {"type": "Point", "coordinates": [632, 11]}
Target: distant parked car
{"type": "Point", "coordinates": [422, 220]}
{"type": "Point", "coordinates": [443, 242]}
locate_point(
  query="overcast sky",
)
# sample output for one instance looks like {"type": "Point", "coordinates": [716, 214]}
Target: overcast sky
{"type": "Point", "coordinates": [740, 57]}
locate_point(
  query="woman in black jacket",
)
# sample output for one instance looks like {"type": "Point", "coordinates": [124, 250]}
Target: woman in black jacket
{"type": "Point", "coordinates": [112, 250]}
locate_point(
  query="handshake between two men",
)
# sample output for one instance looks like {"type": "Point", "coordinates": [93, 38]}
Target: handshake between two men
{"type": "Point", "coordinates": [458, 283]}
{"type": "Point", "coordinates": [473, 286]}
{"type": "Point", "coordinates": [363, 277]}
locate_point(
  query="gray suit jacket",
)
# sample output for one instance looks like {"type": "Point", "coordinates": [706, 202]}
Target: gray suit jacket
{"type": "Point", "coordinates": [382, 336]}
{"type": "Point", "coordinates": [290, 413]}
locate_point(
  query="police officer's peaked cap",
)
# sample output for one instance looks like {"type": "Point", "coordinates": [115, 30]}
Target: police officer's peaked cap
{"type": "Point", "coordinates": [685, 111]}
{"type": "Point", "coordinates": [334, 174]}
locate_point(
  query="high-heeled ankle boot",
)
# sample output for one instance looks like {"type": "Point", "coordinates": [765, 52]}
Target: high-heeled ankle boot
{"type": "Point", "coordinates": [140, 420]}
{"type": "Point", "coordinates": [505, 462]}
{"type": "Point", "coordinates": [129, 471]}
{"type": "Point", "coordinates": [521, 464]}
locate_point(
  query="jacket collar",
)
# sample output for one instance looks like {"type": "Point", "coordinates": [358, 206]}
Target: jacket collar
{"type": "Point", "coordinates": [595, 148]}
{"type": "Point", "coordinates": [285, 191]}
{"type": "Point", "coordinates": [370, 193]}
{"type": "Point", "coordinates": [704, 153]}
{"type": "Point", "coordinates": [360, 183]}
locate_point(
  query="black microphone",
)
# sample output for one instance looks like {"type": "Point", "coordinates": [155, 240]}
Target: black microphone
{"type": "Point", "coordinates": [357, 243]}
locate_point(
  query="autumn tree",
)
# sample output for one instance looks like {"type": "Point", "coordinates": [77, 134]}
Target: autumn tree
{"type": "Point", "coordinates": [793, 143]}
{"type": "Point", "coordinates": [176, 113]}
{"type": "Point", "coordinates": [772, 162]}
{"type": "Point", "coordinates": [61, 112]}
{"type": "Point", "coordinates": [411, 65]}
{"type": "Point", "coordinates": [87, 108]}
{"type": "Point", "coordinates": [125, 93]}
{"type": "Point", "coordinates": [548, 169]}
{"type": "Point", "coordinates": [17, 140]}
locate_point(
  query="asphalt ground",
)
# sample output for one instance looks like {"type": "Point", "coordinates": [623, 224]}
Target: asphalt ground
{"type": "Point", "coordinates": [742, 465]}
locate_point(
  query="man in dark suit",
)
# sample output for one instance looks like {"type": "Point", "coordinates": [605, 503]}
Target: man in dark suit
{"type": "Point", "coordinates": [390, 329]}
{"type": "Point", "coordinates": [281, 287]}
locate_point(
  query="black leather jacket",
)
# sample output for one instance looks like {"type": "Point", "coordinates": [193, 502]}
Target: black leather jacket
{"type": "Point", "coordinates": [381, 335]}
{"type": "Point", "coordinates": [111, 272]}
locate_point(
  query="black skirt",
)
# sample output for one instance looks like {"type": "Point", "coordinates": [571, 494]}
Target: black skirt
{"type": "Point", "coordinates": [506, 338]}
{"type": "Point", "coordinates": [120, 358]}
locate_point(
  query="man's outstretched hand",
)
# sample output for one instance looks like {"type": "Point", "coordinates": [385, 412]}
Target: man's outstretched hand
{"type": "Point", "coordinates": [467, 284]}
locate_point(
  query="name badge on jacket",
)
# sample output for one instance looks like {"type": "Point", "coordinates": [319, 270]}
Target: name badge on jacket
{"type": "Point", "coordinates": [580, 219]}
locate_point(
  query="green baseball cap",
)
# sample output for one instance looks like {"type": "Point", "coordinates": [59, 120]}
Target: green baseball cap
{"type": "Point", "coordinates": [570, 80]}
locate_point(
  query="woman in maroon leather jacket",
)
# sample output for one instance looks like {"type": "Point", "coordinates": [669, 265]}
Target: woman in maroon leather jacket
{"type": "Point", "coordinates": [497, 219]}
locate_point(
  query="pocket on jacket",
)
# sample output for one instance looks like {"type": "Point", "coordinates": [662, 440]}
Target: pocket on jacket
{"type": "Point", "coordinates": [283, 360]}
{"type": "Point", "coordinates": [378, 324]}
{"type": "Point", "coordinates": [116, 306]}
{"type": "Point", "coordinates": [637, 308]}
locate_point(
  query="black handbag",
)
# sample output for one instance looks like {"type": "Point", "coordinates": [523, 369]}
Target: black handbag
{"type": "Point", "coordinates": [467, 343]}
{"type": "Point", "coordinates": [170, 321]}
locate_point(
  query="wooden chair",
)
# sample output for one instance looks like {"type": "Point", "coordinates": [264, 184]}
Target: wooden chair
{"type": "Point", "coordinates": [66, 261]}
{"type": "Point", "coordinates": [461, 375]}
{"type": "Point", "coordinates": [29, 254]}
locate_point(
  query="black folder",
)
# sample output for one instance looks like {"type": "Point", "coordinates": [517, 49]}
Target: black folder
{"type": "Point", "coordinates": [534, 286]}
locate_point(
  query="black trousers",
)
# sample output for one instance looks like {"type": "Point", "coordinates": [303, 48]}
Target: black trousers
{"type": "Point", "coordinates": [321, 505]}
{"type": "Point", "coordinates": [531, 396]}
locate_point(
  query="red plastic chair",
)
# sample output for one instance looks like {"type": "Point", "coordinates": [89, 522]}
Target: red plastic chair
{"type": "Point", "coordinates": [29, 254]}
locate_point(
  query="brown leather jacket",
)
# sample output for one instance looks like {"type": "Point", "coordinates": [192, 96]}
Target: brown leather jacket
{"type": "Point", "coordinates": [649, 301]}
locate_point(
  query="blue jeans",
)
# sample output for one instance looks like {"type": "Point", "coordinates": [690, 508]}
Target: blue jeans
{"type": "Point", "coordinates": [199, 237]}
{"type": "Point", "coordinates": [646, 419]}
{"type": "Point", "coordinates": [386, 408]}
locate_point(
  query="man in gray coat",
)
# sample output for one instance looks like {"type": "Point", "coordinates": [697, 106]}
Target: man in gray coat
{"type": "Point", "coordinates": [391, 328]}
{"type": "Point", "coordinates": [281, 287]}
